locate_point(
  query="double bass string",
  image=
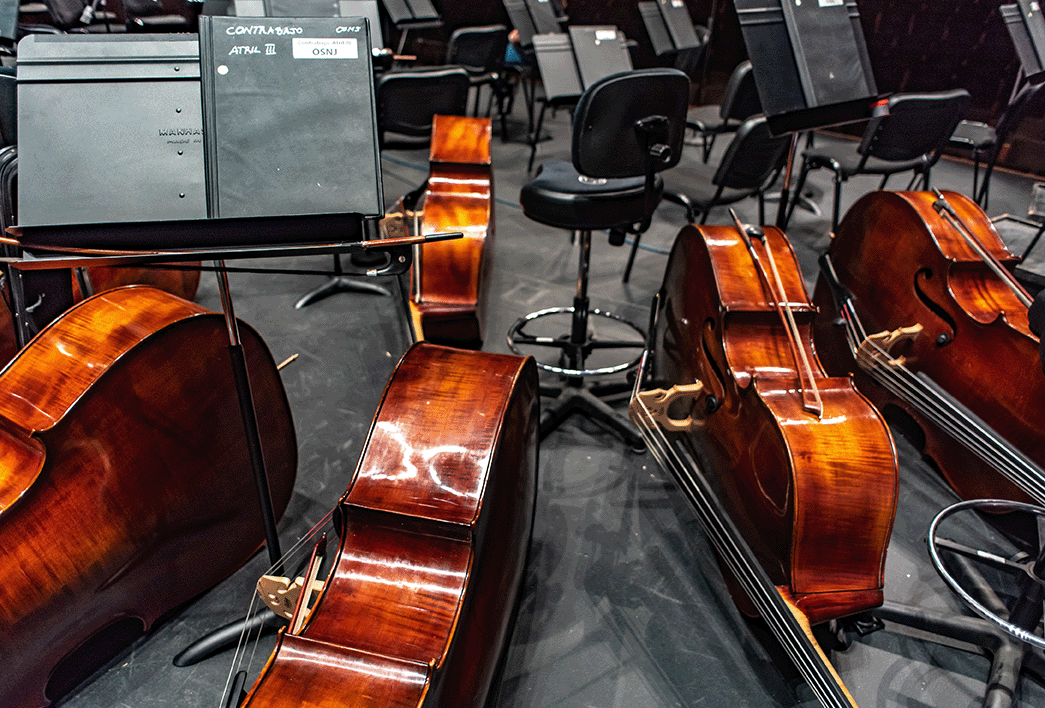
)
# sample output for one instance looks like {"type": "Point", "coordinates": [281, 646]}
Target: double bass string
{"type": "Point", "coordinates": [759, 588]}
{"type": "Point", "coordinates": [948, 414]}
{"type": "Point", "coordinates": [238, 658]}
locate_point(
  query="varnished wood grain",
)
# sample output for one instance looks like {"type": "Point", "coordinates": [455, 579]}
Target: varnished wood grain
{"type": "Point", "coordinates": [143, 495]}
{"type": "Point", "coordinates": [813, 497]}
{"type": "Point", "coordinates": [435, 527]}
{"type": "Point", "coordinates": [896, 255]}
{"type": "Point", "coordinates": [451, 278]}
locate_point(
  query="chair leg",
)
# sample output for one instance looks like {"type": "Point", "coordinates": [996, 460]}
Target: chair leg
{"type": "Point", "coordinates": [802, 174]}
{"type": "Point", "coordinates": [535, 138]}
{"type": "Point", "coordinates": [838, 202]}
{"type": "Point", "coordinates": [631, 258]}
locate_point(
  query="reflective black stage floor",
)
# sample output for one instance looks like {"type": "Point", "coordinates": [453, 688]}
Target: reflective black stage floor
{"type": "Point", "coordinates": [623, 605]}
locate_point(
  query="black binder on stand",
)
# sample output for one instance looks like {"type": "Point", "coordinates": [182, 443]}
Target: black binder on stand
{"type": "Point", "coordinates": [262, 166]}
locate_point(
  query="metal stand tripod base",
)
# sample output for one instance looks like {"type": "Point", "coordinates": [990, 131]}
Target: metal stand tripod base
{"type": "Point", "coordinates": [1009, 656]}
{"type": "Point", "coordinates": [340, 284]}
{"type": "Point", "coordinates": [578, 398]}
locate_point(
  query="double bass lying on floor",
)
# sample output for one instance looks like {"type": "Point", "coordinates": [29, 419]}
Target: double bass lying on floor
{"type": "Point", "coordinates": [799, 482]}
{"type": "Point", "coordinates": [916, 289]}
{"type": "Point", "coordinates": [434, 531]}
{"type": "Point", "coordinates": [125, 484]}
{"type": "Point", "coordinates": [448, 280]}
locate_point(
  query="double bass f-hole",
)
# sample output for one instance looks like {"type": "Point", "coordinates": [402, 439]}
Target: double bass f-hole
{"type": "Point", "coordinates": [943, 338]}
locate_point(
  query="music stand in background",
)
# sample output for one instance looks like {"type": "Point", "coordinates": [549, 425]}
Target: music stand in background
{"type": "Point", "coordinates": [569, 63]}
{"type": "Point", "coordinates": [811, 68]}
{"type": "Point", "coordinates": [545, 17]}
{"type": "Point", "coordinates": [1026, 26]}
{"type": "Point", "coordinates": [671, 32]}
{"type": "Point", "coordinates": [409, 15]}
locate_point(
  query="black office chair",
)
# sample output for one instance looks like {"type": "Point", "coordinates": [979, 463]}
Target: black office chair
{"type": "Point", "coordinates": [984, 141]}
{"type": "Point", "coordinates": [739, 103]}
{"type": "Point", "coordinates": [153, 16]}
{"type": "Point", "coordinates": [406, 104]}
{"type": "Point", "coordinates": [407, 100]}
{"type": "Point", "coordinates": [480, 51]}
{"type": "Point", "coordinates": [907, 132]}
{"type": "Point", "coordinates": [750, 165]}
{"type": "Point", "coordinates": [627, 128]}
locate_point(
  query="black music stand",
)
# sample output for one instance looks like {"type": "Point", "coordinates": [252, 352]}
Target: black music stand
{"type": "Point", "coordinates": [409, 15]}
{"type": "Point", "coordinates": [273, 186]}
{"type": "Point", "coordinates": [811, 66]}
{"type": "Point", "coordinates": [1026, 26]}
{"type": "Point", "coordinates": [546, 18]}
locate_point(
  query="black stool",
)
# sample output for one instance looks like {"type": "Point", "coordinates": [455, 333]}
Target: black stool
{"type": "Point", "coordinates": [626, 128]}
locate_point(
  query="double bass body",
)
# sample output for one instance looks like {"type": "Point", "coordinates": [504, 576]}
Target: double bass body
{"type": "Point", "coordinates": [906, 265]}
{"type": "Point", "coordinates": [125, 486]}
{"type": "Point", "coordinates": [814, 496]}
{"type": "Point", "coordinates": [434, 531]}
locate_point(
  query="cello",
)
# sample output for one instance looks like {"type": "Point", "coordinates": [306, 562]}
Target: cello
{"type": "Point", "coordinates": [434, 529]}
{"type": "Point", "coordinates": [447, 281]}
{"type": "Point", "coordinates": [916, 299]}
{"type": "Point", "coordinates": [792, 473]}
{"type": "Point", "coordinates": [124, 479]}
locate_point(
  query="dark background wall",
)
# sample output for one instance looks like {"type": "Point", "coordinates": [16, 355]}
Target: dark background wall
{"type": "Point", "coordinates": [915, 45]}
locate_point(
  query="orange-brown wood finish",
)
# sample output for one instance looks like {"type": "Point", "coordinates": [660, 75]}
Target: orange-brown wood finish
{"type": "Point", "coordinates": [813, 496]}
{"type": "Point", "coordinates": [449, 277]}
{"type": "Point", "coordinates": [125, 481]}
{"type": "Point", "coordinates": [434, 532]}
{"type": "Point", "coordinates": [183, 283]}
{"type": "Point", "coordinates": [906, 265]}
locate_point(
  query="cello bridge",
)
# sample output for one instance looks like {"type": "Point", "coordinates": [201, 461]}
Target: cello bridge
{"type": "Point", "coordinates": [883, 342]}
{"type": "Point", "coordinates": [658, 401]}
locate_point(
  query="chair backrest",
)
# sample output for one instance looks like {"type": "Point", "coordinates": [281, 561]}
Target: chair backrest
{"type": "Point", "coordinates": [741, 100]}
{"type": "Point", "coordinates": [753, 157]}
{"type": "Point", "coordinates": [914, 124]}
{"type": "Point", "coordinates": [407, 100]}
{"type": "Point", "coordinates": [605, 141]}
{"type": "Point", "coordinates": [478, 49]}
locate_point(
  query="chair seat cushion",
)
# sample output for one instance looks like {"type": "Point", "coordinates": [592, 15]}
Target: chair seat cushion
{"type": "Point", "coordinates": [562, 197]}
{"type": "Point", "coordinates": [973, 135]}
{"type": "Point", "coordinates": [849, 160]}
